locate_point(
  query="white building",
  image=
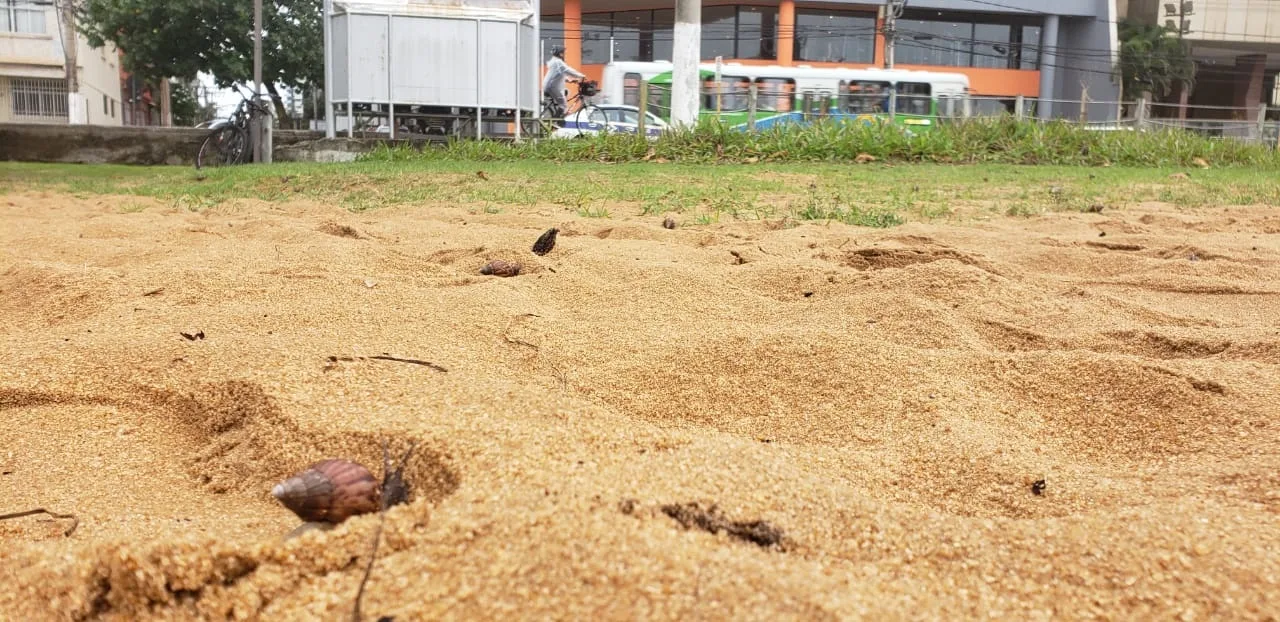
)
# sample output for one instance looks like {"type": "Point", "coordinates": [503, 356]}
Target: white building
{"type": "Point", "coordinates": [33, 85]}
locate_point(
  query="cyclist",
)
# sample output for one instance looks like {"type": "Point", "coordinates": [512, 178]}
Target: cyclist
{"type": "Point", "coordinates": [553, 83]}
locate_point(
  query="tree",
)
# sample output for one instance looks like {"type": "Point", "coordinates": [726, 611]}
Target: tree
{"type": "Point", "coordinates": [1151, 60]}
{"type": "Point", "coordinates": [179, 38]}
{"type": "Point", "coordinates": [185, 105]}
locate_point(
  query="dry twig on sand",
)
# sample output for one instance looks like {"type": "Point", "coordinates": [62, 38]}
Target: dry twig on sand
{"type": "Point", "coordinates": [394, 492]}
{"type": "Point", "coordinates": [75, 522]}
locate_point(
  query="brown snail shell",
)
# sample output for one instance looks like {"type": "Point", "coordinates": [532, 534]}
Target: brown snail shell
{"type": "Point", "coordinates": [330, 491]}
{"type": "Point", "coordinates": [498, 267]}
{"type": "Point", "coordinates": [669, 223]}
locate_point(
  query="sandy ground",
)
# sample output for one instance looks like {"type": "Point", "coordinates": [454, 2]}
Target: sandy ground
{"type": "Point", "coordinates": [884, 398]}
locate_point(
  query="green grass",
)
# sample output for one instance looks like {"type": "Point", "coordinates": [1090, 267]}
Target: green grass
{"type": "Point", "coordinates": [1002, 140]}
{"type": "Point", "coordinates": [883, 193]}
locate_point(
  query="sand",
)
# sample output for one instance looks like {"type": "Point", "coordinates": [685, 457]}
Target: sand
{"type": "Point", "coordinates": [883, 400]}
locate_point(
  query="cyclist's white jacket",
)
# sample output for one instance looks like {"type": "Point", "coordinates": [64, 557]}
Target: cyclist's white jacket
{"type": "Point", "coordinates": [556, 72]}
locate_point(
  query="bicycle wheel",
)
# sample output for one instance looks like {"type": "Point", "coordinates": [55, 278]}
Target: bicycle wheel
{"type": "Point", "coordinates": [595, 118]}
{"type": "Point", "coordinates": [222, 147]}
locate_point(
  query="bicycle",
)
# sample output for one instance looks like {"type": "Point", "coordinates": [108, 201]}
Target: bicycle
{"type": "Point", "coordinates": [551, 111]}
{"type": "Point", "coordinates": [228, 142]}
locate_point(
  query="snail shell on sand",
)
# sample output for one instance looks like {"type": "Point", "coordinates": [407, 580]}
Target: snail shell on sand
{"type": "Point", "coordinates": [498, 267]}
{"type": "Point", "coordinates": [330, 491]}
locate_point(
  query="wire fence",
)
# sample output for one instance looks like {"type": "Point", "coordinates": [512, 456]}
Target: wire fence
{"type": "Point", "coordinates": [755, 105]}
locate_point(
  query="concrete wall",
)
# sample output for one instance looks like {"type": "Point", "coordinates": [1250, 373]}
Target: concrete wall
{"type": "Point", "coordinates": [90, 144]}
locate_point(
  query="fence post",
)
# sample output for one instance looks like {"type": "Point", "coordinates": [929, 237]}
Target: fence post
{"type": "Point", "coordinates": [1019, 107]}
{"type": "Point", "coordinates": [753, 92]}
{"type": "Point", "coordinates": [1262, 122]}
{"type": "Point", "coordinates": [266, 135]}
{"type": "Point", "coordinates": [967, 108]}
{"type": "Point", "coordinates": [1141, 114]}
{"type": "Point", "coordinates": [643, 105]}
{"type": "Point", "coordinates": [1084, 104]}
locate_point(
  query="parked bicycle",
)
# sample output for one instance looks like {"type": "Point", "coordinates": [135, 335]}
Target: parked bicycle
{"type": "Point", "coordinates": [228, 142]}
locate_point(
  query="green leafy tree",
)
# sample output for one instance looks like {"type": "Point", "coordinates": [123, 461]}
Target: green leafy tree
{"type": "Point", "coordinates": [1153, 59]}
{"type": "Point", "coordinates": [179, 38]}
{"type": "Point", "coordinates": [185, 105]}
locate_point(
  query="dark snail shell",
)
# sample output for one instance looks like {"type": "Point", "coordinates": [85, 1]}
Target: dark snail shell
{"type": "Point", "coordinates": [545, 242]}
{"type": "Point", "coordinates": [330, 491]}
{"type": "Point", "coordinates": [669, 223]}
{"type": "Point", "coordinates": [498, 267]}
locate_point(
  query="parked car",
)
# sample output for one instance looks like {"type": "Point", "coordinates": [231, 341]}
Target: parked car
{"type": "Point", "coordinates": [598, 118]}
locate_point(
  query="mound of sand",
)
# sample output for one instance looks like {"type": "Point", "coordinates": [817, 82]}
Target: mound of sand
{"type": "Point", "coordinates": [1006, 419]}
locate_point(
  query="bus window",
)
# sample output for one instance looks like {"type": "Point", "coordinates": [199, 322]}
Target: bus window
{"type": "Point", "coordinates": [733, 93]}
{"type": "Point", "coordinates": [775, 94]}
{"type": "Point", "coordinates": [631, 89]}
{"type": "Point", "coordinates": [865, 97]}
{"type": "Point", "coordinates": [914, 98]}
{"type": "Point", "coordinates": [660, 99]}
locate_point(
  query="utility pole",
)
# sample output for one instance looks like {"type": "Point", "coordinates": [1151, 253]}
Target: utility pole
{"type": "Point", "coordinates": [255, 129]}
{"type": "Point", "coordinates": [892, 11]}
{"type": "Point", "coordinates": [1181, 10]}
{"type": "Point", "coordinates": [685, 54]}
{"type": "Point", "coordinates": [76, 108]}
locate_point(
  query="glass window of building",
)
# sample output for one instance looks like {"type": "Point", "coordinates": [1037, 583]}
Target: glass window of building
{"type": "Point", "coordinates": [993, 46]}
{"type": "Point", "coordinates": [552, 31]}
{"type": "Point", "coordinates": [1029, 48]}
{"type": "Point", "coordinates": [757, 32]}
{"type": "Point", "coordinates": [663, 21]}
{"type": "Point", "coordinates": [957, 39]}
{"type": "Point", "coordinates": [927, 42]}
{"type": "Point", "coordinates": [26, 16]}
{"type": "Point", "coordinates": [719, 26]}
{"type": "Point", "coordinates": [596, 29]}
{"type": "Point", "coordinates": [630, 34]}
{"type": "Point", "coordinates": [835, 36]}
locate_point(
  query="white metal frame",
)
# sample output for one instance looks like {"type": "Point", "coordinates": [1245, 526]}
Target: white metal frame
{"type": "Point", "coordinates": [519, 20]}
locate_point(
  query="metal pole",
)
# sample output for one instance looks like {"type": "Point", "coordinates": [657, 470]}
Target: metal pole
{"type": "Point", "coordinates": [542, 55]}
{"type": "Point", "coordinates": [77, 108]}
{"type": "Point", "coordinates": [391, 104]}
{"type": "Point", "coordinates": [328, 70]}
{"type": "Point", "coordinates": [519, 66]}
{"type": "Point", "coordinates": [536, 21]}
{"type": "Point", "coordinates": [892, 11]}
{"type": "Point", "coordinates": [643, 107]}
{"type": "Point", "coordinates": [351, 109]}
{"type": "Point", "coordinates": [256, 127]}
{"type": "Point", "coordinates": [1262, 121]}
{"type": "Point", "coordinates": [686, 52]}
{"type": "Point", "coordinates": [479, 80]}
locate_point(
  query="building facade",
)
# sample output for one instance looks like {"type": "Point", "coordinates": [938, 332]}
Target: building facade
{"type": "Point", "coordinates": [1037, 49]}
{"type": "Point", "coordinates": [33, 84]}
{"type": "Point", "coordinates": [1236, 46]}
